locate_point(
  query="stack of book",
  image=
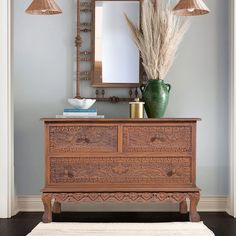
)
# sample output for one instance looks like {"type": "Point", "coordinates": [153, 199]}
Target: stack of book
{"type": "Point", "coordinates": [80, 113]}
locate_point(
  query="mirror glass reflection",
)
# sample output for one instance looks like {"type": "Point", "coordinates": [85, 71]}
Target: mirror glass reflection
{"type": "Point", "coordinates": [116, 56]}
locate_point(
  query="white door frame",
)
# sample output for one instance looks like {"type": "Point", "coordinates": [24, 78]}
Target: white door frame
{"type": "Point", "coordinates": [232, 117]}
{"type": "Point", "coordinates": [7, 199]}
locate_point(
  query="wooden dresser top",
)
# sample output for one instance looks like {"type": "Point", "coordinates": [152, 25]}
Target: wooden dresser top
{"type": "Point", "coordinates": [118, 120]}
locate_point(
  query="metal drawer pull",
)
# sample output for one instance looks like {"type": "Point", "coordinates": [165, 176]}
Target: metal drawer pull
{"type": "Point", "coordinates": [157, 138]}
{"type": "Point", "coordinates": [81, 140]}
{"type": "Point", "coordinates": [171, 173]}
{"type": "Point", "coordinates": [69, 173]}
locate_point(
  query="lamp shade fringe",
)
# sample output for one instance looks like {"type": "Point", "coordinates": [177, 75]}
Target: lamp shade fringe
{"type": "Point", "coordinates": [43, 7]}
{"type": "Point", "coordinates": [191, 8]}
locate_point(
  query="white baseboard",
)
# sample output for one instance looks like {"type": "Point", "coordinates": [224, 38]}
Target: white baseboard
{"type": "Point", "coordinates": [209, 204]}
{"type": "Point", "coordinates": [228, 207]}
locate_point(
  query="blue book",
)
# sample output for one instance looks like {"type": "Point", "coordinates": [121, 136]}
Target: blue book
{"type": "Point", "coordinates": [79, 110]}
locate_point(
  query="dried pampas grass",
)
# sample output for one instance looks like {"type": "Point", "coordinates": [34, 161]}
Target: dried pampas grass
{"type": "Point", "coordinates": [159, 37]}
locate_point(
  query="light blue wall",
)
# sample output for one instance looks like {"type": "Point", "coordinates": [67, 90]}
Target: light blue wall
{"type": "Point", "coordinates": [43, 80]}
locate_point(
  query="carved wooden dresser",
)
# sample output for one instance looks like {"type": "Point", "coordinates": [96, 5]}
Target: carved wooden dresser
{"type": "Point", "coordinates": [120, 160]}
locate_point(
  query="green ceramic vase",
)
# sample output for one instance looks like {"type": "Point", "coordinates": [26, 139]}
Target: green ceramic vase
{"type": "Point", "coordinates": [155, 94]}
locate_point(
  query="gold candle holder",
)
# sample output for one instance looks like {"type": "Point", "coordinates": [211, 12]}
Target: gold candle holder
{"type": "Point", "coordinates": [136, 108]}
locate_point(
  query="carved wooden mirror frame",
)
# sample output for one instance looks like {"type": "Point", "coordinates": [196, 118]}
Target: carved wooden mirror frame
{"type": "Point", "coordinates": [88, 7]}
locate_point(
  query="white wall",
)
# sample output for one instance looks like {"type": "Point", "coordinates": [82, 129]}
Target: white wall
{"type": "Point", "coordinates": [43, 73]}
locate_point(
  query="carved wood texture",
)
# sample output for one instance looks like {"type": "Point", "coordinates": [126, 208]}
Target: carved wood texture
{"type": "Point", "coordinates": [142, 197]}
{"type": "Point", "coordinates": [86, 139]}
{"type": "Point", "coordinates": [121, 170]}
{"type": "Point", "coordinates": [120, 160]}
{"type": "Point", "coordinates": [163, 139]}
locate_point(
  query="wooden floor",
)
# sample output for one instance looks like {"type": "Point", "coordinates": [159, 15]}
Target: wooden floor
{"type": "Point", "coordinates": [20, 225]}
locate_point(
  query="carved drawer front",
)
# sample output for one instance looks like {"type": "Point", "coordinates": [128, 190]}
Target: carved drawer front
{"type": "Point", "coordinates": [82, 139]}
{"type": "Point", "coordinates": [158, 139]}
{"type": "Point", "coordinates": [121, 171]}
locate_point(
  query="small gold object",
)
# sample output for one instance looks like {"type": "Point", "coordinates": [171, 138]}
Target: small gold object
{"type": "Point", "coordinates": [136, 108]}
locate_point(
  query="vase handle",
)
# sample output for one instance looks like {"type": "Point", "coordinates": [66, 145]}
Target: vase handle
{"type": "Point", "coordinates": [142, 87]}
{"type": "Point", "coordinates": [168, 87]}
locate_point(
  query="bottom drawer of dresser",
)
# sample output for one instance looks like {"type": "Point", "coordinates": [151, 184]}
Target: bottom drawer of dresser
{"type": "Point", "coordinates": [118, 172]}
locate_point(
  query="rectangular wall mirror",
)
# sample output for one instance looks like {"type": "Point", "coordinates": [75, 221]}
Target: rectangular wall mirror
{"type": "Point", "coordinates": [116, 60]}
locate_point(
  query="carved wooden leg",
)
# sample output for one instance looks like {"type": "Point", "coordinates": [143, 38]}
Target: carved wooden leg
{"type": "Point", "coordinates": [194, 199]}
{"type": "Point", "coordinates": [47, 216]}
{"type": "Point", "coordinates": [56, 207]}
{"type": "Point", "coordinates": [183, 207]}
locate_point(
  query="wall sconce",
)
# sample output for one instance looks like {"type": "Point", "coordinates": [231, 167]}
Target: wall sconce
{"type": "Point", "coordinates": [43, 7]}
{"type": "Point", "coordinates": [191, 8]}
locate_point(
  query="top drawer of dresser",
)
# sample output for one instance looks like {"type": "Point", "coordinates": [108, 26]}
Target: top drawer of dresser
{"type": "Point", "coordinates": [166, 139]}
{"type": "Point", "coordinates": [82, 139]}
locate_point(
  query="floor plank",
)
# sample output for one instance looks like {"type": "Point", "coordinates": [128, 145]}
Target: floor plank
{"type": "Point", "coordinates": [20, 225]}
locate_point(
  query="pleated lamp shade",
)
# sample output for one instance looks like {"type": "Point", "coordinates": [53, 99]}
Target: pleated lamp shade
{"type": "Point", "coordinates": [43, 7]}
{"type": "Point", "coordinates": [191, 8]}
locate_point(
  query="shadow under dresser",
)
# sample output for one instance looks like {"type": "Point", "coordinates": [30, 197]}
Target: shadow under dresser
{"type": "Point", "coordinates": [120, 160]}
